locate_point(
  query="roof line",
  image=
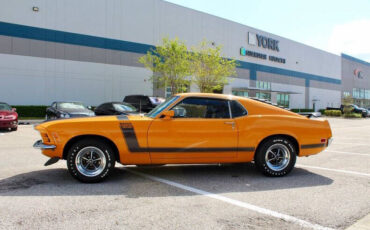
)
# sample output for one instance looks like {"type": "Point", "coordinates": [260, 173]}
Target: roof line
{"type": "Point", "coordinates": [348, 57]}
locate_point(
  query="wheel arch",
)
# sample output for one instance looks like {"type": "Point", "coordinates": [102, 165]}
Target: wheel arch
{"type": "Point", "coordinates": [291, 138]}
{"type": "Point", "coordinates": [75, 139]}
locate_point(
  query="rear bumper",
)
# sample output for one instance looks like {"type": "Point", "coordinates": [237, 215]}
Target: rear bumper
{"type": "Point", "coordinates": [8, 124]}
{"type": "Point", "coordinates": [39, 145]}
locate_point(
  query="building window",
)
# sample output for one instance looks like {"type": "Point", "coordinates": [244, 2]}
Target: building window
{"type": "Point", "coordinates": [168, 92]}
{"type": "Point", "coordinates": [183, 89]}
{"type": "Point", "coordinates": [263, 85]}
{"type": "Point", "coordinates": [367, 94]}
{"type": "Point", "coordinates": [346, 94]}
{"type": "Point", "coordinates": [282, 99]}
{"type": "Point", "coordinates": [361, 93]}
{"type": "Point", "coordinates": [241, 93]}
{"type": "Point", "coordinates": [262, 95]}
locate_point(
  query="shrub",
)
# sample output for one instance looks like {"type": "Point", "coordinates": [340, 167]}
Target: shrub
{"type": "Point", "coordinates": [30, 110]}
{"type": "Point", "coordinates": [333, 113]}
{"type": "Point", "coordinates": [352, 115]}
{"type": "Point", "coordinates": [301, 110]}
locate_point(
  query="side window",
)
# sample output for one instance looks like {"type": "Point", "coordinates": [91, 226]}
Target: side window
{"type": "Point", "coordinates": [202, 108]}
{"type": "Point", "coordinates": [105, 106]}
{"type": "Point", "coordinates": [237, 110]}
{"type": "Point", "coordinates": [145, 101]}
{"type": "Point", "coordinates": [129, 99]}
{"type": "Point", "coordinates": [54, 105]}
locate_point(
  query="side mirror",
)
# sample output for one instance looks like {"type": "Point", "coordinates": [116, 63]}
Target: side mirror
{"type": "Point", "coordinates": [14, 109]}
{"type": "Point", "coordinates": [89, 107]}
{"type": "Point", "coordinates": [168, 114]}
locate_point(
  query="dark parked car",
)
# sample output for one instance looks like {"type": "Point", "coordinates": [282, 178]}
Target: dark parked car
{"type": "Point", "coordinates": [8, 117]}
{"type": "Point", "coordinates": [114, 108]}
{"type": "Point", "coordinates": [67, 110]}
{"type": "Point", "coordinates": [143, 103]}
{"type": "Point", "coordinates": [356, 109]}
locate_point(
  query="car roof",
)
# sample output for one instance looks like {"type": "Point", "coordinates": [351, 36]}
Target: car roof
{"type": "Point", "coordinates": [209, 95]}
{"type": "Point", "coordinates": [67, 102]}
{"type": "Point", "coordinates": [141, 95]}
{"type": "Point", "coordinates": [116, 102]}
{"type": "Point", "coordinates": [229, 97]}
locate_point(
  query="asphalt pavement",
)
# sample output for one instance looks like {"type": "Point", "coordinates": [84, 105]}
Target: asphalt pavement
{"type": "Point", "coordinates": [330, 190]}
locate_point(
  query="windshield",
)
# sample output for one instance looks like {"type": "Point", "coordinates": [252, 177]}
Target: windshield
{"type": "Point", "coordinates": [71, 105]}
{"type": "Point", "coordinates": [4, 106]}
{"type": "Point", "coordinates": [161, 107]}
{"type": "Point", "coordinates": [124, 107]}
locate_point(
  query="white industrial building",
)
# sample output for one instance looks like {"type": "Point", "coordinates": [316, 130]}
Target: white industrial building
{"type": "Point", "coordinates": [87, 51]}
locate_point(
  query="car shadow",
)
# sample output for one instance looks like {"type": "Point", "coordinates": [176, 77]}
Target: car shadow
{"type": "Point", "coordinates": [212, 178]}
{"type": "Point", "coordinates": [5, 130]}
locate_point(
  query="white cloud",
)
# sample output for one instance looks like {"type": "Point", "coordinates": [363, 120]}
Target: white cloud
{"type": "Point", "coordinates": [351, 38]}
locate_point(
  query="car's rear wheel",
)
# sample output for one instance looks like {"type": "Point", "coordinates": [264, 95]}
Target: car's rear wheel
{"type": "Point", "coordinates": [90, 160]}
{"type": "Point", "coordinates": [276, 156]}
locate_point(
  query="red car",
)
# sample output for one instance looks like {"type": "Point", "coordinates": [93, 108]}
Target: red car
{"type": "Point", "coordinates": [8, 117]}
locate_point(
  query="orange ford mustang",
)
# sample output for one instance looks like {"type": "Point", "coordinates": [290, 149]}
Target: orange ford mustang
{"type": "Point", "coordinates": [185, 129]}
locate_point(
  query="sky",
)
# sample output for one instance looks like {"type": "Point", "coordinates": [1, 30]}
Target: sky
{"type": "Point", "coordinates": [336, 26]}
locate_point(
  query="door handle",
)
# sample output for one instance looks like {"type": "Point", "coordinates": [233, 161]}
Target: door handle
{"type": "Point", "coordinates": [230, 123]}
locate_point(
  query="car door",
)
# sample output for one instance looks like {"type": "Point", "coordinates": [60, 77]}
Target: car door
{"type": "Point", "coordinates": [202, 129]}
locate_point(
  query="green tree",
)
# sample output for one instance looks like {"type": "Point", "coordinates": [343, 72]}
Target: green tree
{"type": "Point", "coordinates": [346, 102]}
{"type": "Point", "coordinates": [210, 71]}
{"type": "Point", "coordinates": [169, 63]}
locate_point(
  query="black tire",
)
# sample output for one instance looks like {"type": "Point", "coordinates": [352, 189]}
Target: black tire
{"type": "Point", "coordinates": [272, 165]}
{"type": "Point", "coordinates": [14, 129]}
{"type": "Point", "coordinates": [75, 162]}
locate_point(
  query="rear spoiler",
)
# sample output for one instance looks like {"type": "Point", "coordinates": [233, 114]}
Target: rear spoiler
{"type": "Point", "coordinates": [310, 114]}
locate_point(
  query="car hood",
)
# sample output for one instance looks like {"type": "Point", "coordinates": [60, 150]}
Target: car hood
{"type": "Point", "coordinates": [7, 113]}
{"type": "Point", "coordinates": [115, 118]}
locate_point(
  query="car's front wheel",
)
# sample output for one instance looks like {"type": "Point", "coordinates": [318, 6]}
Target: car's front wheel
{"type": "Point", "coordinates": [276, 156]}
{"type": "Point", "coordinates": [90, 160]}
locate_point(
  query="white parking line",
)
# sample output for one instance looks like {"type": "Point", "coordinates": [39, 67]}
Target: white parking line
{"type": "Point", "coordinates": [335, 170]}
{"type": "Point", "coordinates": [360, 154]}
{"type": "Point", "coordinates": [264, 211]}
{"type": "Point", "coordinates": [352, 143]}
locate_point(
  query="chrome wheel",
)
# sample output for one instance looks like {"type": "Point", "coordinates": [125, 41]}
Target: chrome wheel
{"type": "Point", "coordinates": [90, 161]}
{"type": "Point", "coordinates": [277, 157]}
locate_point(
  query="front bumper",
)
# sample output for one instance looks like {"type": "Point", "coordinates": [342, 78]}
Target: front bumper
{"type": "Point", "coordinates": [330, 140]}
{"type": "Point", "coordinates": [39, 145]}
{"type": "Point", "coordinates": [8, 124]}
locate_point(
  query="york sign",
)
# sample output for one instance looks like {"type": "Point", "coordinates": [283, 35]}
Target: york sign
{"type": "Point", "coordinates": [262, 41]}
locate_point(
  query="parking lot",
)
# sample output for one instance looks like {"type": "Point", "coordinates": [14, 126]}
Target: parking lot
{"type": "Point", "coordinates": [330, 190]}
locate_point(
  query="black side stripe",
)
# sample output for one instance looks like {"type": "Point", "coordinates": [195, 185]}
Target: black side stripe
{"type": "Point", "coordinates": [133, 145]}
{"type": "Point", "coordinates": [312, 146]}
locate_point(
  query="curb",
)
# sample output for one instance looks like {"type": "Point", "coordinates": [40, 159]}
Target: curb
{"type": "Point", "coordinates": [29, 122]}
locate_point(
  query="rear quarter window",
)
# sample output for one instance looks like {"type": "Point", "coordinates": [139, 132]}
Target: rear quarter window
{"type": "Point", "coordinates": [237, 109]}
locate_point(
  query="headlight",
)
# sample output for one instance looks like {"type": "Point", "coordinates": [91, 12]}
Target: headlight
{"type": "Point", "coordinates": [11, 117]}
{"type": "Point", "coordinates": [64, 115]}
